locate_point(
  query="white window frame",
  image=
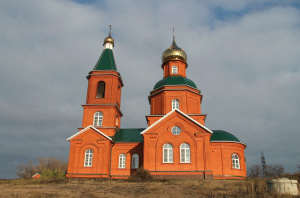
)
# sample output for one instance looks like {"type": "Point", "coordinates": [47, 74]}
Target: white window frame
{"type": "Point", "coordinates": [135, 161]}
{"type": "Point", "coordinates": [168, 153]}
{"type": "Point", "coordinates": [174, 69]}
{"type": "Point", "coordinates": [98, 119]}
{"type": "Point", "coordinates": [122, 160]}
{"type": "Point", "coordinates": [185, 153]}
{"type": "Point", "coordinates": [176, 130]}
{"type": "Point", "coordinates": [235, 161]}
{"type": "Point", "coordinates": [175, 104]}
{"type": "Point", "coordinates": [88, 158]}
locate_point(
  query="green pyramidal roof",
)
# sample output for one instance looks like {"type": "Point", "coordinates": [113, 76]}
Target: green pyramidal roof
{"type": "Point", "coordinates": [128, 135]}
{"type": "Point", "coordinates": [106, 61]}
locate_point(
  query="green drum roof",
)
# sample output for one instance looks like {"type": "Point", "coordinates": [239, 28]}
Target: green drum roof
{"type": "Point", "coordinates": [106, 61]}
{"type": "Point", "coordinates": [175, 80]}
{"type": "Point", "coordinates": [219, 135]}
{"type": "Point", "coordinates": [128, 135]}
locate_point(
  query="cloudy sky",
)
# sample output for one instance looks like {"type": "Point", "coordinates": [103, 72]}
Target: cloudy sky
{"type": "Point", "coordinates": [244, 56]}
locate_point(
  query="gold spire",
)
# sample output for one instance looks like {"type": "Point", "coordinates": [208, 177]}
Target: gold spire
{"type": "Point", "coordinates": [109, 39]}
{"type": "Point", "coordinates": [174, 52]}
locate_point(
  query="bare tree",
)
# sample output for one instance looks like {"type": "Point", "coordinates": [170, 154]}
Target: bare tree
{"type": "Point", "coordinates": [274, 170]}
{"type": "Point", "coordinates": [26, 171]}
{"type": "Point", "coordinates": [47, 165]}
{"type": "Point", "coordinates": [254, 171]}
{"type": "Point", "coordinates": [270, 171]}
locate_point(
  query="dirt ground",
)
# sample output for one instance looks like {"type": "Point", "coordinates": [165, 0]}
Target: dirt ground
{"type": "Point", "coordinates": [122, 188]}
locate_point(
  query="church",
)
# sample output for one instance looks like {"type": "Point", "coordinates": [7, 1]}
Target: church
{"type": "Point", "coordinates": [175, 145]}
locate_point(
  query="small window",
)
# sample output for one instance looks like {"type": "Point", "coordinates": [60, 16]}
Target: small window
{"type": "Point", "coordinates": [185, 153]}
{"type": "Point", "coordinates": [235, 161]}
{"type": "Point", "coordinates": [168, 153]}
{"type": "Point", "coordinates": [174, 70]}
{"type": "Point", "coordinates": [122, 160]}
{"type": "Point", "coordinates": [98, 118]}
{"type": "Point", "coordinates": [88, 157]}
{"type": "Point", "coordinates": [176, 130]}
{"type": "Point", "coordinates": [175, 104]}
{"type": "Point", "coordinates": [100, 90]}
{"type": "Point", "coordinates": [135, 161]}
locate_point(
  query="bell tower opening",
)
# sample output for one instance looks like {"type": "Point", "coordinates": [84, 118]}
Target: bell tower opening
{"type": "Point", "coordinates": [101, 90]}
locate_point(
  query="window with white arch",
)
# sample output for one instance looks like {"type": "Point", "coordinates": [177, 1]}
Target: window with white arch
{"type": "Point", "coordinates": [235, 161]}
{"type": "Point", "coordinates": [185, 153]}
{"type": "Point", "coordinates": [135, 161]}
{"type": "Point", "coordinates": [175, 104]}
{"type": "Point", "coordinates": [98, 119]}
{"type": "Point", "coordinates": [122, 160]}
{"type": "Point", "coordinates": [88, 157]}
{"type": "Point", "coordinates": [168, 153]}
{"type": "Point", "coordinates": [174, 70]}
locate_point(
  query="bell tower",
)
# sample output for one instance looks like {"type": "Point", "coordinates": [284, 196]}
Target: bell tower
{"type": "Point", "coordinates": [103, 101]}
{"type": "Point", "coordinates": [175, 90]}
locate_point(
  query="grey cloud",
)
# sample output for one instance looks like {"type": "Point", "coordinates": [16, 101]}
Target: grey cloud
{"type": "Point", "coordinates": [246, 68]}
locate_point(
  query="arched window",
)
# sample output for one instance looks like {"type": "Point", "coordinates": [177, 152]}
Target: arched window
{"type": "Point", "coordinates": [175, 104]}
{"type": "Point", "coordinates": [185, 153]}
{"type": "Point", "coordinates": [98, 118]}
{"type": "Point", "coordinates": [135, 161]}
{"type": "Point", "coordinates": [168, 153]}
{"type": "Point", "coordinates": [174, 70]}
{"type": "Point", "coordinates": [88, 157]}
{"type": "Point", "coordinates": [235, 161]}
{"type": "Point", "coordinates": [122, 160]}
{"type": "Point", "coordinates": [100, 90]}
{"type": "Point", "coordinates": [176, 130]}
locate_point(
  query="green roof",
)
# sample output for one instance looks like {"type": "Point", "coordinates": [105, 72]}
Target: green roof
{"type": "Point", "coordinates": [128, 135]}
{"type": "Point", "coordinates": [219, 135]}
{"type": "Point", "coordinates": [106, 61]}
{"type": "Point", "coordinates": [175, 80]}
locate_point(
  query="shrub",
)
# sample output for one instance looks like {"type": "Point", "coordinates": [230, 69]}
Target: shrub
{"type": "Point", "coordinates": [141, 175]}
{"type": "Point", "coordinates": [53, 174]}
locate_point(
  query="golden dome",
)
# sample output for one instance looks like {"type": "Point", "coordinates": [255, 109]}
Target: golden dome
{"type": "Point", "coordinates": [174, 53]}
{"type": "Point", "coordinates": [109, 39]}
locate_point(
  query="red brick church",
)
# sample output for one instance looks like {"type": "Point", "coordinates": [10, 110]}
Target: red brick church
{"type": "Point", "coordinates": [176, 144]}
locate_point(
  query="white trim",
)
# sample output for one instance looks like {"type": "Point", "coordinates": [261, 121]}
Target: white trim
{"type": "Point", "coordinates": [85, 129]}
{"type": "Point", "coordinates": [185, 115]}
{"type": "Point", "coordinates": [222, 141]}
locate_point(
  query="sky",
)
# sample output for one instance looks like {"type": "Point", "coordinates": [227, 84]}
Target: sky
{"type": "Point", "coordinates": [243, 56]}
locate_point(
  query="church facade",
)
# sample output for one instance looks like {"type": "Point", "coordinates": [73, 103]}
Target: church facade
{"type": "Point", "coordinates": [175, 145]}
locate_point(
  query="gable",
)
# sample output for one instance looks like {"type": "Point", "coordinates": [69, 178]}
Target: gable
{"type": "Point", "coordinates": [180, 113]}
{"type": "Point", "coordinates": [86, 129]}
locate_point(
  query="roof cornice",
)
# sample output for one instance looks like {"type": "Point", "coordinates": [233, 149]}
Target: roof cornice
{"type": "Point", "coordinates": [85, 129]}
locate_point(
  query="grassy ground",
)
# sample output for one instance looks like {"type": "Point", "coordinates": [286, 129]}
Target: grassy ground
{"type": "Point", "coordinates": [122, 188]}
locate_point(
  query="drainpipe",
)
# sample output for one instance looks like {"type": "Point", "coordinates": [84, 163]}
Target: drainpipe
{"type": "Point", "coordinates": [110, 160]}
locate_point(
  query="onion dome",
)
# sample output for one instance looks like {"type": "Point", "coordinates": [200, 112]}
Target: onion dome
{"type": "Point", "coordinates": [109, 39]}
{"type": "Point", "coordinates": [175, 80]}
{"type": "Point", "coordinates": [174, 52]}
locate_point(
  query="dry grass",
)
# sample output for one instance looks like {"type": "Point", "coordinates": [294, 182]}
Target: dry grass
{"type": "Point", "coordinates": [122, 188]}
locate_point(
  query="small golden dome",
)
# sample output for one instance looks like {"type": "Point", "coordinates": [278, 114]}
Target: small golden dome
{"type": "Point", "coordinates": [174, 53]}
{"type": "Point", "coordinates": [109, 39]}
